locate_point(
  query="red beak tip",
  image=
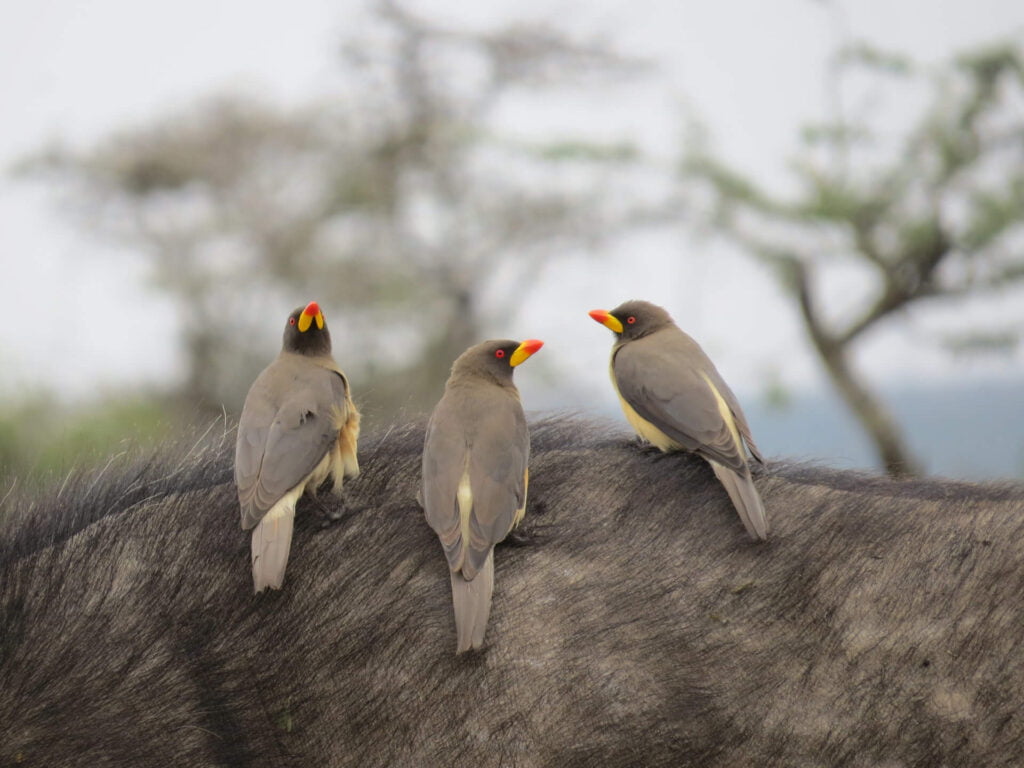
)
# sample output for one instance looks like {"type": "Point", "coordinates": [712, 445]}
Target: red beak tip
{"type": "Point", "coordinates": [598, 314]}
{"type": "Point", "coordinates": [312, 309]}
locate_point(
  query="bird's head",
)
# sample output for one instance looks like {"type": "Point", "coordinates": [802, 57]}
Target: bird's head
{"type": "Point", "coordinates": [306, 331]}
{"type": "Point", "coordinates": [496, 358]}
{"type": "Point", "coordinates": [633, 319]}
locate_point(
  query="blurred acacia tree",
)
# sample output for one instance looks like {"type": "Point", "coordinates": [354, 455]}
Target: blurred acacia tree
{"type": "Point", "coordinates": [399, 205]}
{"type": "Point", "coordinates": [935, 215]}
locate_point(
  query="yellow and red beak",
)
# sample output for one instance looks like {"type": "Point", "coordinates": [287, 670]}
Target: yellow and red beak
{"type": "Point", "coordinates": [309, 314]}
{"type": "Point", "coordinates": [607, 319]}
{"type": "Point", "coordinates": [524, 350]}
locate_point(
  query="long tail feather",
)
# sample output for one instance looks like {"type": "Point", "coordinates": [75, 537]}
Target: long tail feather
{"type": "Point", "coordinates": [472, 600]}
{"type": "Point", "coordinates": [271, 544]}
{"type": "Point", "coordinates": [745, 498]}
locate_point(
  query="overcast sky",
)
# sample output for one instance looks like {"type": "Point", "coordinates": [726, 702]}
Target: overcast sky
{"type": "Point", "coordinates": [78, 315]}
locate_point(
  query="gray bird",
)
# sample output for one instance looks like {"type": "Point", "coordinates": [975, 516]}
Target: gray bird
{"type": "Point", "coordinates": [475, 474]}
{"type": "Point", "coordinates": [674, 397]}
{"type": "Point", "coordinates": [298, 428]}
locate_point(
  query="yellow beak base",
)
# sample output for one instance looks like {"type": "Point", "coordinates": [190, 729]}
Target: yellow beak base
{"type": "Point", "coordinates": [524, 350]}
{"type": "Point", "coordinates": [607, 319]}
{"type": "Point", "coordinates": [305, 321]}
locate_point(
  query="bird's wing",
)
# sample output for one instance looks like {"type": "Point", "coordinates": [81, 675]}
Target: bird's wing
{"type": "Point", "coordinates": [737, 412]}
{"type": "Point", "coordinates": [667, 380]}
{"type": "Point", "coordinates": [497, 471]}
{"type": "Point", "coordinates": [287, 426]}
{"type": "Point", "coordinates": [445, 461]}
{"type": "Point", "coordinates": [347, 418]}
{"type": "Point", "coordinates": [474, 475]}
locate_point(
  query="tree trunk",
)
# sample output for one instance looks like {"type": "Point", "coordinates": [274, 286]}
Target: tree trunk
{"type": "Point", "coordinates": [890, 448]}
{"type": "Point", "coordinates": [892, 452]}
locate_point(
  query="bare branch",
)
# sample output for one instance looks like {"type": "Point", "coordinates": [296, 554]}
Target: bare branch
{"type": "Point", "coordinates": [954, 194]}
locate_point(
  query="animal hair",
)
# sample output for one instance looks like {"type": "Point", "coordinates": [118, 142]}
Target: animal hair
{"type": "Point", "coordinates": [634, 622]}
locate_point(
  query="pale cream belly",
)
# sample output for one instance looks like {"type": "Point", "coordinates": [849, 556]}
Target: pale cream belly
{"type": "Point", "coordinates": [659, 439]}
{"type": "Point", "coordinates": [646, 430]}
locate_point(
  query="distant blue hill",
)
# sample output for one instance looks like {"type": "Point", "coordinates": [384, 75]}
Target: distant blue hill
{"type": "Point", "coordinates": [970, 431]}
{"type": "Point", "coordinates": [973, 431]}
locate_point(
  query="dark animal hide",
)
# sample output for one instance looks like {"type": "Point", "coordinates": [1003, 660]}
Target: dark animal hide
{"type": "Point", "coordinates": [634, 622]}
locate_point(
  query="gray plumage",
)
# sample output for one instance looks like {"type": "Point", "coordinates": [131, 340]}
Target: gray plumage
{"type": "Point", "coordinates": [475, 458]}
{"type": "Point", "coordinates": [298, 428]}
{"type": "Point", "coordinates": [674, 397]}
{"type": "Point", "coordinates": [472, 603]}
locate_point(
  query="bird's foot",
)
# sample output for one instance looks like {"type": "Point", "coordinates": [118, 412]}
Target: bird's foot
{"type": "Point", "coordinates": [329, 516]}
{"type": "Point", "coordinates": [518, 539]}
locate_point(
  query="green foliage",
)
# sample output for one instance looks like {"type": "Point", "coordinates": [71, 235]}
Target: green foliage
{"type": "Point", "coordinates": [834, 133]}
{"type": "Point", "coordinates": [41, 439]}
{"type": "Point", "coordinates": [870, 57]}
{"type": "Point", "coordinates": [829, 200]}
{"type": "Point", "coordinates": [890, 210]}
{"type": "Point", "coordinates": [731, 185]}
{"type": "Point", "coordinates": [986, 64]}
{"type": "Point", "coordinates": [982, 342]}
{"type": "Point", "coordinates": [619, 152]}
{"type": "Point", "coordinates": [993, 212]}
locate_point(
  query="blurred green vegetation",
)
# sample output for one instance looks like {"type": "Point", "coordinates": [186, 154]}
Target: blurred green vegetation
{"type": "Point", "coordinates": [41, 439]}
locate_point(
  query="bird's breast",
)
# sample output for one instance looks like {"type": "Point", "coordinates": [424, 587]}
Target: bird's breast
{"type": "Point", "coordinates": [640, 425]}
{"type": "Point", "coordinates": [646, 430]}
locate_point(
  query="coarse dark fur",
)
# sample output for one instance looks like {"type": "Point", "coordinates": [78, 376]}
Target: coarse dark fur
{"type": "Point", "coordinates": [634, 624]}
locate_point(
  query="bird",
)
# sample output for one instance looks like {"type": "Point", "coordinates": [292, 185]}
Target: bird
{"type": "Point", "coordinates": [298, 428]}
{"type": "Point", "coordinates": [675, 399]}
{"type": "Point", "coordinates": [475, 474]}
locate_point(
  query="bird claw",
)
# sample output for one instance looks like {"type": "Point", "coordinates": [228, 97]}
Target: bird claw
{"type": "Point", "coordinates": [518, 539]}
{"type": "Point", "coordinates": [328, 517]}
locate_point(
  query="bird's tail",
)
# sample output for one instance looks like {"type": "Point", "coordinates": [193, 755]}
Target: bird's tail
{"type": "Point", "coordinates": [271, 543]}
{"type": "Point", "coordinates": [472, 601]}
{"type": "Point", "coordinates": [745, 498]}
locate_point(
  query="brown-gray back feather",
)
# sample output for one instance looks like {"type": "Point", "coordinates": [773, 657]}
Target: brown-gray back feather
{"type": "Point", "coordinates": [286, 428]}
{"type": "Point", "coordinates": [472, 601]}
{"type": "Point", "coordinates": [481, 429]}
{"type": "Point", "coordinates": [744, 496]}
{"type": "Point", "coordinates": [660, 377]}
{"type": "Point", "coordinates": [271, 545]}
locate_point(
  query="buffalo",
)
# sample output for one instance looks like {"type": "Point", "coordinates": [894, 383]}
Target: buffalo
{"type": "Point", "coordinates": [634, 623]}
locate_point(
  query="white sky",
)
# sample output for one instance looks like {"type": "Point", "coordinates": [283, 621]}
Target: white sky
{"type": "Point", "coordinates": [79, 317]}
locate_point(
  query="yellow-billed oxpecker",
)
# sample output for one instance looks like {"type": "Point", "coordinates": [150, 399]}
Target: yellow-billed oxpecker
{"type": "Point", "coordinates": [298, 428]}
{"type": "Point", "coordinates": [674, 397]}
{"type": "Point", "coordinates": [475, 474]}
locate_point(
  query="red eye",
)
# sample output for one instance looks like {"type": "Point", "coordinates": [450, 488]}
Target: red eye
{"type": "Point", "coordinates": [291, 321]}
{"type": "Point", "coordinates": [630, 320]}
{"type": "Point", "coordinates": [499, 354]}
